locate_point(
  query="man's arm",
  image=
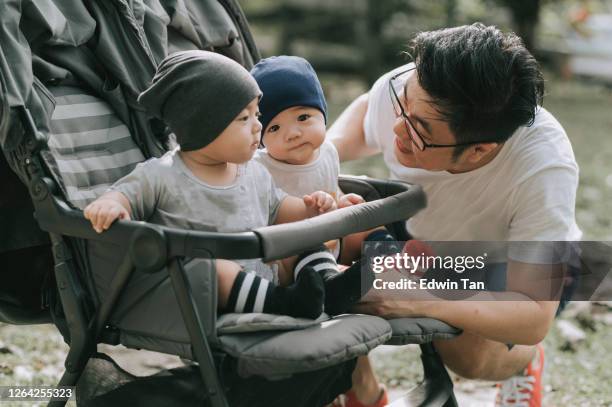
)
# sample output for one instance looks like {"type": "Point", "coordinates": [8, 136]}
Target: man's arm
{"type": "Point", "coordinates": [347, 131]}
{"type": "Point", "coordinates": [513, 316]}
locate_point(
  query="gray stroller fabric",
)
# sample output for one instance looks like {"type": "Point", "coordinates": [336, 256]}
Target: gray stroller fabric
{"type": "Point", "coordinates": [419, 330]}
{"type": "Point", "coordinates": [109, 47]}
{"type": "Point", "coordinates": [280, 354]}
{"type": "Point", "coordinates": [253, 322]}
{"type": "Point", "coordinates": [148, 315]}
{"type": "Point", "coordinates": [90, 144]}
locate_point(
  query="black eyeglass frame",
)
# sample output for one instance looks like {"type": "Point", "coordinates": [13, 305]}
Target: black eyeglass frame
{"type": "Point", "coordinates": [421, 144]}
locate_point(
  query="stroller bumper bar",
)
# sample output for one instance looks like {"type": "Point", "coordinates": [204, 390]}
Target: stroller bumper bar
{"type": "Point", "coordinates": [152, 245]}
{"type": "Point", "coordinates": [280, 241]}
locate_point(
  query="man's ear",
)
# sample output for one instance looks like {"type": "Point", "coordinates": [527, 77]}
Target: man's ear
{"type": "Point", "coordinates": [478, 151]}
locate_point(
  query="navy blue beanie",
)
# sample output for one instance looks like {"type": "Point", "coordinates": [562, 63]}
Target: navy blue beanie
{"type": "Point", "coordinates": [287, 81]}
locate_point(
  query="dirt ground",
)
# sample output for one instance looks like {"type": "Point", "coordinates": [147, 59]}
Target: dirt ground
{"type": "Point", "coordinates": [577, 372]}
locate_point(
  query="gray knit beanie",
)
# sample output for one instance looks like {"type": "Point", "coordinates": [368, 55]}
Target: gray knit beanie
{"type": "Point", "coordinates": [198, 94]}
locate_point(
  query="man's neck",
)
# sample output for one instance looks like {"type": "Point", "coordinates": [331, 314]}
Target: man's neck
{"type": "Point", "coordinates": [467, 167]}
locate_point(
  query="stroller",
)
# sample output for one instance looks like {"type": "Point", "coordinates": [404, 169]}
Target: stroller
{"type": "Point", "coordinates": [70, 72]}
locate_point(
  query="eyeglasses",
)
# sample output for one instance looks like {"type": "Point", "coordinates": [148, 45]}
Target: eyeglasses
{"type": "Point", "coordinates": [414, 135]}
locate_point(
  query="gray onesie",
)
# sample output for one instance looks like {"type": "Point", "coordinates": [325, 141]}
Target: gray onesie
{"type": "Point", "coordinates": [164, 191]}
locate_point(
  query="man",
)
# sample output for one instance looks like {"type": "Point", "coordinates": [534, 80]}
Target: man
{"type": "Point", "coordinates": [464, 121]}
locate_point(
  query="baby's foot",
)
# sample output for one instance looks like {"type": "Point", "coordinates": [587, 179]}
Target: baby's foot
{"type": "Point", "coordinates": [302, 299]}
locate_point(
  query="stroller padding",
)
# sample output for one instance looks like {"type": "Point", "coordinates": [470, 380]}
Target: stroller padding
{"type": "Point", "coordinates": [274, 354]}
{"type": "Point", "coordinates": [92, 147]}
{"type": "Point", "coordinates": [253, 322]}
{"type": "Point", "coordinates": [419, 330]}
{"type": "Point", "coordinates": [279, 240]}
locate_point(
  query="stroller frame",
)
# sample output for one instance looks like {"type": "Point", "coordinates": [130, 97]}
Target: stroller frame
{"type": "Point", "coordinates": [151, 247]}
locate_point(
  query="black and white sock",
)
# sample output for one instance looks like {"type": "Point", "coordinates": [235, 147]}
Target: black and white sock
{"type": "Point", "coordinates": [320, 260]}
{"type": "Point", "coordinates": [302, 299]}
{"type": "Point", "coordinates": [341, 289]}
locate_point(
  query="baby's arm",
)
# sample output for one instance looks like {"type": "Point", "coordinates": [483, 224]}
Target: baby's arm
{"type": "Point", "coordinates": [293, 209]}
{"type": "Point", "coordinates": [106, 209]}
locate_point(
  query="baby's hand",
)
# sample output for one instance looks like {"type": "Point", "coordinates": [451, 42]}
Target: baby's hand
{"type": "Point", "coordinates": [350, 200]}
{"type": "Point", "coordinates": [320, 201]}
{"type": "Point", "coordinates": [103, 212]}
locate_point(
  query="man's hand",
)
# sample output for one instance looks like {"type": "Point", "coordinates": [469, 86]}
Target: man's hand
{"type": "Point", "coordinates": [319, 202]}
{"type": "Point", "coordinates": [350, 200]}
{"type": "Point", "coordinates": [390, 308]}
{"type": "Point", "coordinates": [103, 212]}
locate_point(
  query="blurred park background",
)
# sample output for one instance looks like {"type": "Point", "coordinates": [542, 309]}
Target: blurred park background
{"type": "Point", "coordinates": [352, 42]}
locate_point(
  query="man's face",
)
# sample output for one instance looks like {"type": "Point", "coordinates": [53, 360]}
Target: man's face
{"type": "Point", "coordinates": [431, 128]}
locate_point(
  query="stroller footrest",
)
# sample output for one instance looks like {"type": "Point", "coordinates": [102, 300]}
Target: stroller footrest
{"type": "Point", "coordinates": [275, 354]}
{"type": "Point", "coordinates": [419, 331]}
{"type": "Point", "coordinates": [255, 322]}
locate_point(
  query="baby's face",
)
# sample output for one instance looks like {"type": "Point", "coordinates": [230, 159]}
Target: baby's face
{"type": "Point", "coordinates": [240, 139]}
{"type": "Point", "coordinates": [295, 135]}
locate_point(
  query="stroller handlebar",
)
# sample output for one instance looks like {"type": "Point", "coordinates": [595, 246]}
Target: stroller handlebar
{"type": "Point", "coordinates": [284, 240]}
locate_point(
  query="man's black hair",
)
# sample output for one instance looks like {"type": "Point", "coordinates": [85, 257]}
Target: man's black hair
{"type": "Point", "coordinates": [483, 82]}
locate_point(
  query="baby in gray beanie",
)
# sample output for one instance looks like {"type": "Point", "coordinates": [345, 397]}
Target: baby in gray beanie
{"type": "Point", "coordinates": [209, 182]}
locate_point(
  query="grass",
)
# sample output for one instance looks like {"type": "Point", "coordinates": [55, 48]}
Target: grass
{"type": "Point", "coordinates": [573, 376]}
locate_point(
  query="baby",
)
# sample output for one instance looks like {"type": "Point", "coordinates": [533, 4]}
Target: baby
{"type": "Point", "coordinates": [209, 183]}
{"type": "Point", "coordinates": [297, 154]}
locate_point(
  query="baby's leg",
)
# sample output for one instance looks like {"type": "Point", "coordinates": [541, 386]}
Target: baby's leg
{"type": "Point", "coordinates": [245, 292]}
{"type": "Point", "coordinates": [285, 270]}
{"type": "Point", "coordinates": [227, 271]}
{"type": "Point", "coordinates": [344, 289]}
{"type": "Point", "coordinates": [352, 244]}
{"type": "Point", "coordinates": [341, 289]}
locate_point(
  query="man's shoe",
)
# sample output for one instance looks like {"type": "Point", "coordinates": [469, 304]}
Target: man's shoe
{"type": "Point", "coordinates": [349, 399]}
{"type": "Point", "coordinates": [523, 390]}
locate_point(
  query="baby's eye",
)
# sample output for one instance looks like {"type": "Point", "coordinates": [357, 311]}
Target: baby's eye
{"type": "Point", "coordinates": [273, 128]}
{"type": "Point", "coordinates": [243, 118]}
{"type": "Point", "coordinates": [258, 115]}
{"type": "Point", "coordinates": [303, 117]}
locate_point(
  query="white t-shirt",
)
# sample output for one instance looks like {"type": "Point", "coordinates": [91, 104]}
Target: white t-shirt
{"type": "Point", "coordinates": [300, 180]}
{"type": "Point", "coordinates": [527, 192]}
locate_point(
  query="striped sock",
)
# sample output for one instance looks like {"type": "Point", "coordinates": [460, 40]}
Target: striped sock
{"type": "Point", "coordinates": [249, 293]}
{"type": "Point", "coordinates": [320, 260]}
{"type": "Point", "coordinates": [341, 289]}
{"type": "Point", "coordinates": [302, 299]}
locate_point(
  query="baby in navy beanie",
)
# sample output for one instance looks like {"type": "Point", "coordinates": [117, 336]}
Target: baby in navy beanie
{"type": "Point", "coordinates": [293, 117]}
{"type": "Point", "coordinates": [301, 160]}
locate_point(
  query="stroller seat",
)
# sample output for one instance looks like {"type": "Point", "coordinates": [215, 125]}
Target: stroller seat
{"type": "Point", "coordinates": [92, 148]}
